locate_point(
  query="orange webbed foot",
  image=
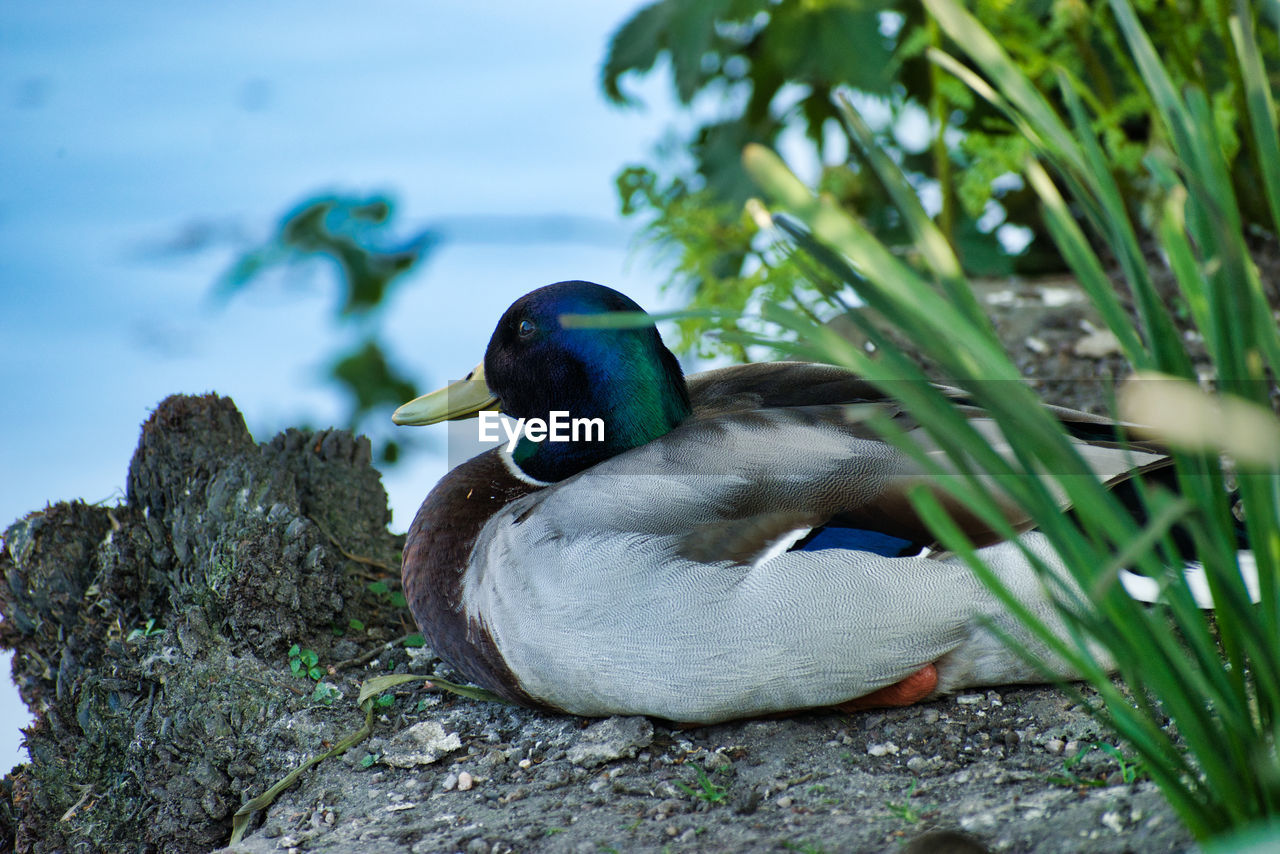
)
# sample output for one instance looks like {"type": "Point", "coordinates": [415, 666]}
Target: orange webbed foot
{"type": "Point", "coordinates": [906, 692]}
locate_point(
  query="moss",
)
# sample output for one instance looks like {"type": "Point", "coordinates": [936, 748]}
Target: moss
{"type": "Point", "coordinates": [147, 742]}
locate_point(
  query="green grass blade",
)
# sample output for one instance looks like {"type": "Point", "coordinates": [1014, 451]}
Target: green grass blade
{"type": "Point", "coordinates": [932, 244]}
{"type": "Point", "coordinates": [1262, 108]}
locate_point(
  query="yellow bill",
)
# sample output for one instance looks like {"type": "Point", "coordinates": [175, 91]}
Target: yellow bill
{"type": "Point", "coordinates": [461, 399]}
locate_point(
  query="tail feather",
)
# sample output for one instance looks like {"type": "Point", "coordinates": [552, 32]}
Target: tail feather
{"type": "Point", "coordinates": [1146, 589]}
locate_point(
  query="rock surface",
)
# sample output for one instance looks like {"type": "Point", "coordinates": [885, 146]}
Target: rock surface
{"type": "Point", "coordinates": [157, 642]}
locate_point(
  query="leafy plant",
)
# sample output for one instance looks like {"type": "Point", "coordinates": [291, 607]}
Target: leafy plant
{"type": "Point", "coordinates": [394, 598]}
{"type": "Point", "coordinates": [354, 235]}
{"type": "Point", "coordinates": [305, 663]}
{"type": "Point", "coordinates": [149, 630]}
{"type": "Point", "coordinates": [804, 847]}
{"type": "Point", "coordinates": [325, 693]}
{"type": "Point", "coordinates": [706, 790]}
{"type": "Point", "coordinates": [762, 71]}
{"type": "Point", "coordinates": [1200, 707]}
{"type": "Point", "coordinates": [1130, 770]}
{"type": "Point", "coordinates": [904, 809]}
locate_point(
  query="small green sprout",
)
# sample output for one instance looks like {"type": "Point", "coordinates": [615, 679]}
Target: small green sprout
{"type": "Point", "coordinates": [305, 663]}
{"type": "Point", "coordinates": [147, 631]}
{"type": "Point", "coordinates": [707, 791]}
{"type": "Point", "coordinates": [325, 693]}
{"type": "Point", "coordinates": [1131, 770]}
{"type": "Point", "coordinates": [904, 809]}
{"type": "Point", "coordinates": [804, 847]}
{"type": "Point", "coordinates": [394, 597]}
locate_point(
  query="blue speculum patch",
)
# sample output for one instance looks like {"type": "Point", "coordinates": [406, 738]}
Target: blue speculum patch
{"type": "Point", "coordinates": [857, 539]}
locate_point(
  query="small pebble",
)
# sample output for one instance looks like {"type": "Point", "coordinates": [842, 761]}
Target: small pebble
{"type": "Point", "coordinates": [886, 749]}
{"type": "Point", "coordinates": [969, 699]}
{"type": "Point", "coordinates": [916, 764]}
{"type": "Point", "coordinates": [465, 782]}
{"type": "Point", "coordinates": [449, 782]}
{"type": "Point", "coordinates": [784, 801]}
{"type": "Point", "coordinates": [1054, 745]}
{"type": "Point", "coordinates": [525, 763]}
{"type": "Point", "coordinates": [717, 762]}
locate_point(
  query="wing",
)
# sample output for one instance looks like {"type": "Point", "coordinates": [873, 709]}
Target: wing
{"type": "Point", "coordinates": [729, 487]}
{"type": "Point", "coordinates": [780, 384]}
{"type": "Point", "coordinates": [817, 393]}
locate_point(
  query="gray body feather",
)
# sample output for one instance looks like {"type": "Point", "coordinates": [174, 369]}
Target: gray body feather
{"type": "Point", "coordinates": [604, 595]}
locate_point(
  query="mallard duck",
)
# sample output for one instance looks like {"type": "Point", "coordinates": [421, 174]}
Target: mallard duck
{"type": "Point", "coordinates": [738, 543]}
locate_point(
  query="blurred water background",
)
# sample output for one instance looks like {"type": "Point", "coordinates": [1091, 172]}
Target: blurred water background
{"type": "Point", "coordinates": [146, 145]}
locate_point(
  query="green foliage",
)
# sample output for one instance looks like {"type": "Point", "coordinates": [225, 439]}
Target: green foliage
{"type": "Point", "coordinates": [325, 693]}
{"type": "Point", "coordinates": [304, 663]}
{"type": "Point", "coordinates": [707, 790]}
{"type": "Point", "coordinates": [904, 809]}
{"type": "Point", "coordinates": [149, 630]}
{"type": "Point", "coordinates": [354, 234]}
{"type": "Point", "coordinates": [1130, 770]}
{"type": "Point", "coordinates": [394, 598]}
{"type": "Point", "coordinates": [371, 379]}
{"type": "Point", "coordinates": [770, 69]}
{"type": "Point", "coordinates": [804, 847]}
{"type": "Point", "coordinates": [1201, 704]}
{"type": "Point", "coordinates": [351, 233]}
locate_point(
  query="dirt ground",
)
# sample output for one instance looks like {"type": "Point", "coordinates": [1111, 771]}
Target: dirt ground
{"type": "Point", "coordinates": [994, 766]}
{"type": "Point", "coordinates": [164, 645]}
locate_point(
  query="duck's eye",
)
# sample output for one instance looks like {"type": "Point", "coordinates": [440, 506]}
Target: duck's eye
{"type": "Point", "coordinates": [525, 329]}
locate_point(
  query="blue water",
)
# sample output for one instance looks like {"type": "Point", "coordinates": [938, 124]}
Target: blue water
{"type": "Point", "coordinates": [144, 143]}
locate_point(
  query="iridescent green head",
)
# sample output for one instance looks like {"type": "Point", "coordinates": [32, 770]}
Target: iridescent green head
{"type": "Point", "coordinates": [566, 353]}
{"type": "Point", "coordinates": [546, 356]}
